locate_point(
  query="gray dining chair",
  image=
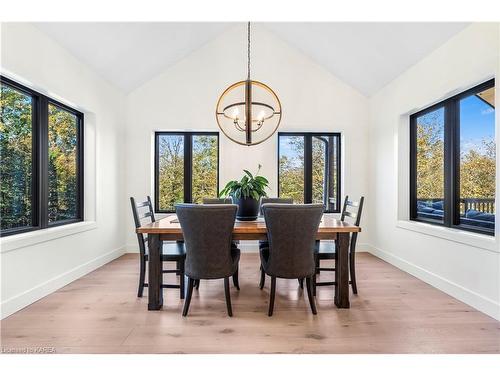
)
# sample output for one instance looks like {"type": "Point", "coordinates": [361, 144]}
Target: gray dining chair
{"type": "Point", "coordinates": [234, 243]}
{"type": "Point", "coordinates": [207, 231]}
{"type": "Point", "coordinates": [291, 231]}
{"type": "Point", "coordinates": [265, 243]}
{"type": "Point", "coordinates": [217, 200]}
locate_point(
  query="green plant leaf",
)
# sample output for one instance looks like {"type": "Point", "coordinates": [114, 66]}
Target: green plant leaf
{"type": "Point", "coordinates": [248, 174]}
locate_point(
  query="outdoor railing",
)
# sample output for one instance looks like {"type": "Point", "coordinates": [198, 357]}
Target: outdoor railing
{"type": "Point", "coordinates": [486, 205]}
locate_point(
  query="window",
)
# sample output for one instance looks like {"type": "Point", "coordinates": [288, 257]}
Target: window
{"type": "Point", "coordinates": [452, 161]}
{"type": "Point", "coordinates": [309, 168]}
{"type": "Point", "coordinates": [41, 173]}
{"type": "Point", "coordinates": [186, 168]}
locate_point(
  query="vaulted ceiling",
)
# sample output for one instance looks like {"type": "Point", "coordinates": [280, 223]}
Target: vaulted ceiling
{"type": "Point", "coordinates": [367, 56]}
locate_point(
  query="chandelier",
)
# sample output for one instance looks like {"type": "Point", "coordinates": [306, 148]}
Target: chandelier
{"type": "Point", "coordinates": [248, 112]}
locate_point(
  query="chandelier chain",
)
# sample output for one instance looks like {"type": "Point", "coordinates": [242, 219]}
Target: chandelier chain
{"type": "Point", "coordinates": [248, 51]}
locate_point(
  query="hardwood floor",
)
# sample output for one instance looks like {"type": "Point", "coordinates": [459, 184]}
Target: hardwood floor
{"type": "Point", "coordinates": [393, 313]}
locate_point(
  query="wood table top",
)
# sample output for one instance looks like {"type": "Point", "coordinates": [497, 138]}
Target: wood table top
{"type": "Point", "coordinates": [171, 225]}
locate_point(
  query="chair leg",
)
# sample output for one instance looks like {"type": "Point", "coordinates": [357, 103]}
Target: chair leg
{"type": "Point", "coordinates": [182, 279]}
{"type": "Point", "coordinates": [314, 285]}
{"type": "Point", "coordinates": [352, 270]}
{"type": "Point", "coordinates": [271, 299]}
{"type": "Point", "coordinates": [235, 280]}
{"type": "Point", "coordinates": [187, 301]}
{"type": "Point", "coordinates": [178, 266]}
{"type": "Point", "coordinates": [142, 276]}
{"type": "Point", "coordinates": [262, 278]}
{"type": "Point", "coordinates": [301, 283]}
{"type": "Point", "coordinates": [197, 284]}
{"type": "Point", "coordinates": [317, 261]}
{"type": "Point", "coordinates": [309, 283]}
{"type": "Point", "coordinates": [228, 296]}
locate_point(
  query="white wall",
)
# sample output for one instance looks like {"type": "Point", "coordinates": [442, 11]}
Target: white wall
{"type": "Point", "coordinates": [184, 96]}
{"type": "Point", "coordinates": [464, 265]}
{"type": "Point", "coordinates": [35, 264]}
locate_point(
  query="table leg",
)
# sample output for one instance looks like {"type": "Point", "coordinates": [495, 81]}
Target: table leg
{"type": "Point", "coordinates": [155, 294]}
{"type": "Point", "coordinates": [342, 271]}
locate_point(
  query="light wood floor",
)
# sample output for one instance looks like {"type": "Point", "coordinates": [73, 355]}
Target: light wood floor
{"type": "Point", "coordinates": [393, 313]}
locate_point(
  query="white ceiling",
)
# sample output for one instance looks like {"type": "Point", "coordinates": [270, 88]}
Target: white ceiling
{"type": "Point", "coordinates": [130, 53]}
{"type": "Point", "coordinates": [366, 56]}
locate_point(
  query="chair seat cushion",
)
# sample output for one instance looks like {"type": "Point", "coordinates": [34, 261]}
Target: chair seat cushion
{"type": "Point", "coordinates": [325, 249]}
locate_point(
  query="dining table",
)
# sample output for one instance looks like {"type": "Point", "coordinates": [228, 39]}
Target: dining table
{"type": "Point", "coordinates": [169, 229]}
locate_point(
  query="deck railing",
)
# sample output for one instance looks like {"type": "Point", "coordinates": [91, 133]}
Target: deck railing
{"type": "Point", "coordinates": [486, 205]}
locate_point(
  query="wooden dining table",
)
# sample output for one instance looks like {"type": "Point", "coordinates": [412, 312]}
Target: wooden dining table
{"type": "Point", "coordinates": [169, 229]}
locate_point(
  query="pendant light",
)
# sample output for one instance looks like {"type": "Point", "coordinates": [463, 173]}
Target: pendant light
{"type": "Point", "coordinates": [248, 112]}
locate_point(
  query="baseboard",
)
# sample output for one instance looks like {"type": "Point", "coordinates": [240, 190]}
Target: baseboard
{"type": "Point", "coordinates": [26, 298]}
{"type": "Point", "coordinates": [477, 301]}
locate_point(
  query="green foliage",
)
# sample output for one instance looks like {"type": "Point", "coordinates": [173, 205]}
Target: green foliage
{"type": "Point", "coordinates": [477, 166]}
{"type": "Point", "coordinates": [430, 156]}
{"type": "Point", "coordinates": [16, 161]}
{"type": "Point", "coordinates": [16, 169]}
{"type": "Point", "coordinates": [171, 169]}
{"type": "Point", "coordinates": [63, 189]}
{"type": "Point", "coordinates": [248, 186]}
{"type": "Point", "coordinates": [291, 170]}
{"type": "Point", "coordinates": [204, 167]}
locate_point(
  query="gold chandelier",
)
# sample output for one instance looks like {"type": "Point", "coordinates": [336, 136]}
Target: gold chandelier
{"type": "Point", "coordinates": [248, 112]}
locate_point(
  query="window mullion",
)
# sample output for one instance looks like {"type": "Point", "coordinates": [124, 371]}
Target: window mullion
{"type": "Point", "coordinates": [450, 164]}
{"type": "Point", "coordinates": [188, 167]}
{"type": "Point", "coordinates": [43, 161]}
{"type": "Point", "coordinates": [455, 155]}
{"type": "Point", "coordinates": [308, 168]}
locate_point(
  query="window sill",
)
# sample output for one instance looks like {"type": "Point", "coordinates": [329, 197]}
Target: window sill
{"type": "Point", "coordinates": [21, 240]}
{"type": "Point", "coordinates": [481, 241]}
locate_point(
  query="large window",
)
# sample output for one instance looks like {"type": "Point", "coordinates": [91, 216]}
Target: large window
{"type": "Point", "coordinates": [453, 161]}
{"type": "Point", "coordinates": [186, 168]}
{"type": "Point", "coordinates": [41, 170]}
{"type": "Point", "coordinates": [309, 168]}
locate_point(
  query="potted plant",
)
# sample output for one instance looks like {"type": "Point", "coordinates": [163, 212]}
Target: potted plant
{"type": "Point", "coordinates": [246, 193]}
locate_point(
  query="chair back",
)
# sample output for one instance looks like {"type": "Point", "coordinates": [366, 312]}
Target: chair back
{"type": "Point", "coordinates": [352, 212]}
{"type": "Point", "coordinates": [227, 200]}
{"type": "Point", "coordinates": [207, 231]}
{"type": "Point", "coordinates": [143, 213]}
{"type": "Point", "coordinates": [265, 200]}
{"type": "Point", "coordinates": [291, 232]}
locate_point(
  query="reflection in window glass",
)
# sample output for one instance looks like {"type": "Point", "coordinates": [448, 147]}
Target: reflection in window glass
{"type": "Point", "coordinates": [16, 151]}
{"type": "Point", "coordinates": [430, 165]}
{"type": "Point", "coordinates": [291, 168]}
{"type": "Point", "coordinates": [324, 170]}
{"type": "Point", "coordinates": [477, 160]}
{"type": "Point", "coordinates": [63, 174]}
{"type": "Point", "coordinates": [171, 171]}
{"type": "Point", "coordinates": [204, 178]}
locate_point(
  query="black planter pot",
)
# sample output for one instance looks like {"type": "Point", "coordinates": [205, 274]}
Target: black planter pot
{"type": "Point", "coordinates": [248, 208]}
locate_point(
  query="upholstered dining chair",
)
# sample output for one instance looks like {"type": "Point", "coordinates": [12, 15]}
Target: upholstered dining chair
{"type": "Point", "coordinates": [291, 231]}
{"type": "Point", "coordinates": [265, 243]}
{"type": "Point", "coordinates": [351, 211]}
{"type": "Point", "coordinates": [171, 252]}
{"type": "Point", "coordinates": [207, 233]}
{"type": "Point", "coordinates": [234, 244]}
{"type": "Point", "coordinates": [217, 200]}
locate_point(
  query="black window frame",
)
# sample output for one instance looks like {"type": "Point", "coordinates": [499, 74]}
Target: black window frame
{"type": "Point", "coordinates": [188, 164]}
{"type": "Point", "coordinates": [308, 136]}
{"type": "Point", "coordinates": [451, 167]}
{"type": "Point", "coordinates": [40, 160]}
